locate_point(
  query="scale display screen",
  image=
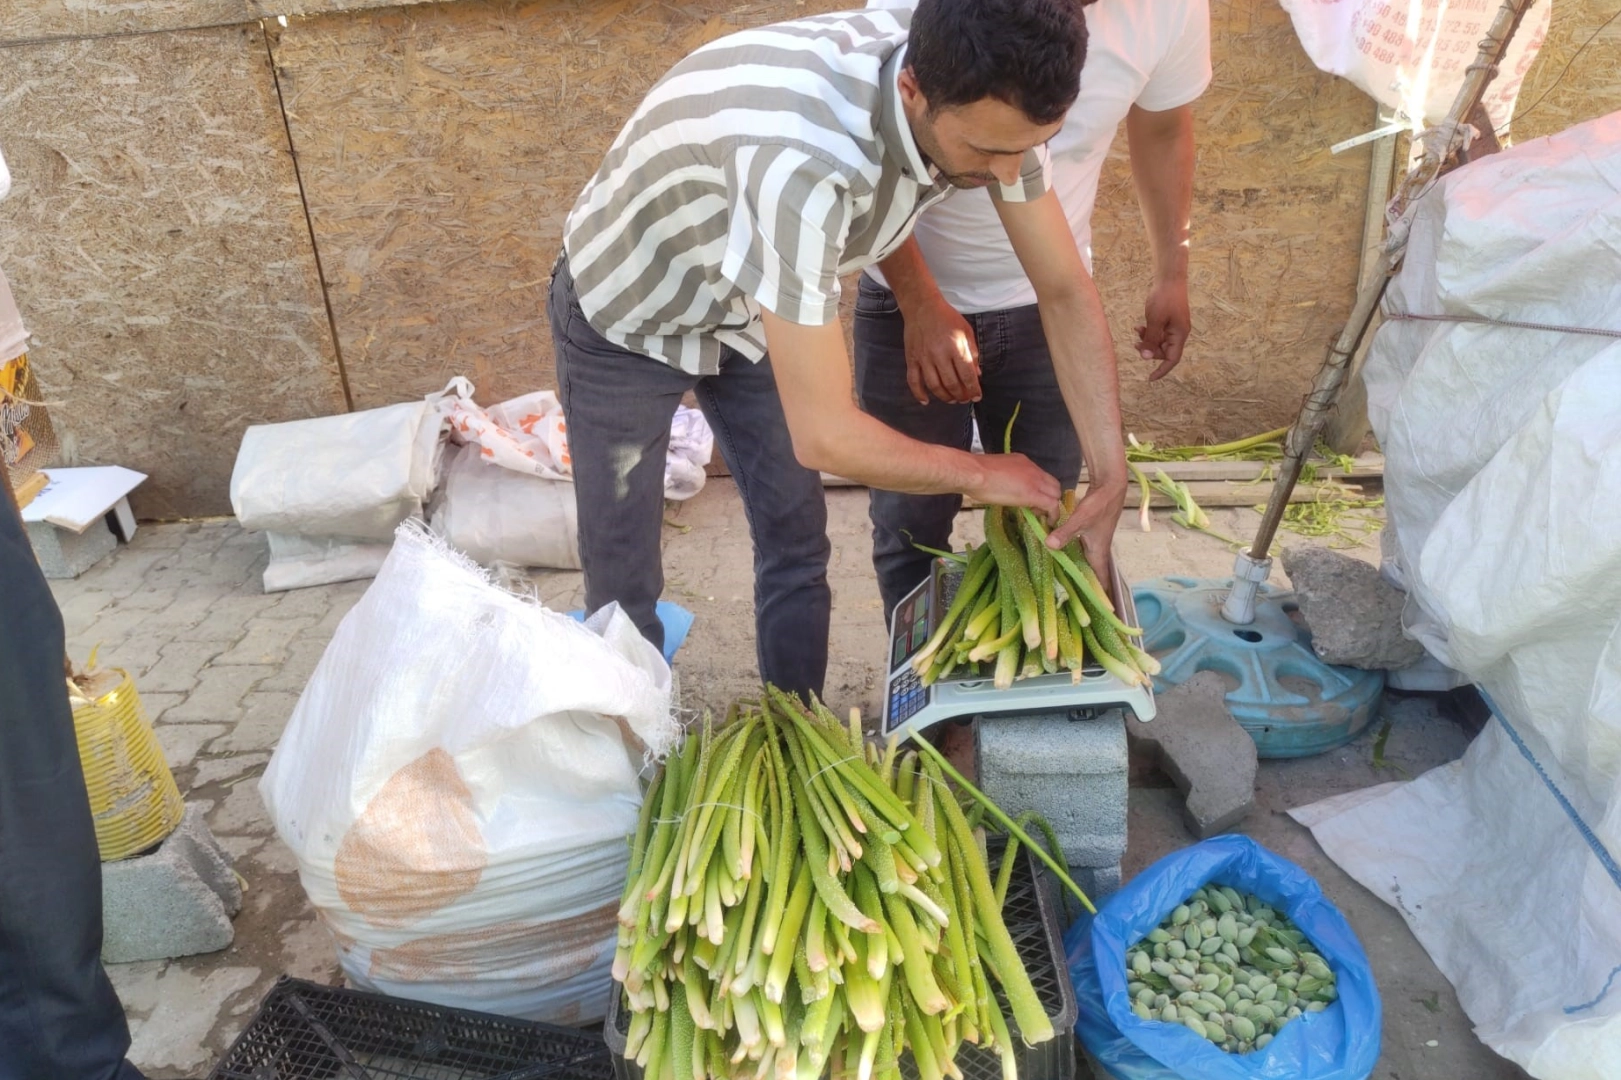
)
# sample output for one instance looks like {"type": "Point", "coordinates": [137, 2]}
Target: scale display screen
{"type": "Point", "coordinates": [911, 627]}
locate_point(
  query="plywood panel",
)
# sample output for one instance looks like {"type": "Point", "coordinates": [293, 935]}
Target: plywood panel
{"type": "Point", "coordinates": [156, 243]}
{"type": "Point", "coordinates": [30, 21]}
{"type": "Point", "coordinates": [1277, 223]}
{"type": "Point", "coordinates": [442, 148]}
{"type": "Point", "coordinates": [1577, 73]}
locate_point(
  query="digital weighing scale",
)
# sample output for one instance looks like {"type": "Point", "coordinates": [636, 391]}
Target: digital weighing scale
{"type": "Point", "coordinates": [909, 705]}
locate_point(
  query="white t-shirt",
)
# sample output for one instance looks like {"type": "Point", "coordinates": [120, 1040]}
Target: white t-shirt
{"type": "Point", "coordinates": [1152, 53]}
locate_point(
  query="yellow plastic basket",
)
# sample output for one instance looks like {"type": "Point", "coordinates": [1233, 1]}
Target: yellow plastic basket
{"type": "Point", "coordinates": [133, 797]}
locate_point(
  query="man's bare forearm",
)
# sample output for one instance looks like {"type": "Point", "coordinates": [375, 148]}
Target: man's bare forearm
{"type": "Point", "coordinates": [909, 277]}
{"type": "Point", "coordinates": [1162, 158]}
{"type": "Point", "coordinates": [1083, 360]}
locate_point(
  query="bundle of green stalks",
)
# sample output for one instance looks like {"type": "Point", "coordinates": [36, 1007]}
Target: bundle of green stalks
{"type": "Point", "coordinates": [1023, 609]}
{"type": "Point", "coordinates": [801, 902]}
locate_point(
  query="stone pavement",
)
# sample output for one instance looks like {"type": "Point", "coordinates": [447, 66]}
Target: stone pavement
{"type": "Point", "coordinates": [220, 665]}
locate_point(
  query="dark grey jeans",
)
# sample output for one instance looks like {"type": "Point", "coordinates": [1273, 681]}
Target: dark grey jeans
{"type": "Point", "coordinates": [618, 406]}
{"type": "Point", "coordinates": [59, 1016]}
{"type": "Point", "coordinates": [1015, 369]}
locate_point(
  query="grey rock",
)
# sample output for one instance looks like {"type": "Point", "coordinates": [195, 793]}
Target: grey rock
{"type": "Point", "coordinates": [1353, 613]}
{"type": "Point", "coordinates": [1196, 741]}
{"type": "Point", "coordinates": [176, 901]}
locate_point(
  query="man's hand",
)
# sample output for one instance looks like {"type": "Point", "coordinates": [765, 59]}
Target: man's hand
{"type": "Point", "coordinates": [942, 357]}
{"type": "Point", "coordinates": [1094, 521]}
{"type": "Point", "coordinates": [1168, 320]}
{"type": "Point", "coordinates": [1015, 480]}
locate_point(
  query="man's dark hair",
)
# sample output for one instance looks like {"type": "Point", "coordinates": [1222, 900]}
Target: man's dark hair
{"type": "Point", "coordinates": [1027, 53]}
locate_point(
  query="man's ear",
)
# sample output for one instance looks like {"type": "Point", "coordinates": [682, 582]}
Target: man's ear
{"type": "Point", "coordinates": [911, 94]}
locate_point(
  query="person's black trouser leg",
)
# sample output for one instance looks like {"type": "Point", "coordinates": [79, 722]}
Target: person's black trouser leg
{"type": "Point", "coordinates": [59, 1016]}
{"type": "Point", "coordinates": [618, 406]}
{"type": "Point", "coordinates": [1015, 370]}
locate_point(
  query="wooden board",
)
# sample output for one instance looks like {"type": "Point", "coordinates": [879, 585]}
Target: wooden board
{"type": "Point", "coordinates": [442, 148]}
{"type": "Point", "coordinates": [1576, 75]}
{"type": "Point", "coordinates": [1276, 228]}
{"type": "Point", "coordinates": [32, 21]}
{"type": "Point", "coordinates": [1214, 494]}
{"type": "Point", "coordinates": [29, 488]}
{"type": "Point", "coordinates": [156, 244]}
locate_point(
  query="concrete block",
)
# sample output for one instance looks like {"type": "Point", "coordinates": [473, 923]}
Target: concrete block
{"type": "Point", "coordinates": [1097, 882]}
{"type": "Point", "coordinates": [1353, 613]}
{"type": "Point", "coordinates": [63, 553]}
{"type": "Point", "coordinates": [1071, 772]}
{"type": "Point", "coordinates": [176, 901]}
{"type": "Point", "coordinates": [1196, 742]}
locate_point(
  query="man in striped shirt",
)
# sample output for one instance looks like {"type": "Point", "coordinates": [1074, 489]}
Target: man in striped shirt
{"type": "Point", "coordinates": [755, 173]}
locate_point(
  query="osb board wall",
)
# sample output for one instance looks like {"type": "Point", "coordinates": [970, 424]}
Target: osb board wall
{"type": "Point", "coordinates": [42, 20]}
{"type": "Point", "coordinates": [441, 149]}
{"type": "Point", "coordinates": [1577, 74]}
{"type": "Point", "coordinates": [155, 240]}
{"type": "Point", "coordinates": [1276, 234]}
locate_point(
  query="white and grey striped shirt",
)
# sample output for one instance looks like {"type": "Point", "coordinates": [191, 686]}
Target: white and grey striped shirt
{"type": "Point", "coordinates": [756, 172]}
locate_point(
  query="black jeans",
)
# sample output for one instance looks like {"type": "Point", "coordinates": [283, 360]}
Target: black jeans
{"type": "Point", "coordinates": [618, 406]}
{"type": "Point", "coordinates": [59, 1016]}
{"type": "Point", "coordinates": [1015, 370]}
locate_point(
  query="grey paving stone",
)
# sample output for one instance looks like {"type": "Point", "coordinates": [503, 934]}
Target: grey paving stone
{"type": "Point", "coordinates": [177, 901]}
{"type": "Point", "coordinates": [113, 623]}
{"type": "Point", "coordinates": [227, 620]}
{"type": "Point", "coordinates": [218, 696]}
{"type": "Point", "coordinates": [265, 716]}
{"type": "Point", "coordinates": [241, 813]}
{"type": "Point", "coordinates": [302, 657]}
{"type": "Point", "coordinates": [266, 642]}
{"type": "Point", "coordinates": [1212, 760]}
{"type": "Point", "coordinates": [213, 769]}
{"type": "Point", "coordinates": [156, 702]}
{"type": "Point", "coordinates": [310, 604]}
{"type": "Point", "coordinates": [182, 742]}
{"type": "Point", "coordinates": [80, 606]}
{"type": "Point", "coordinates": [180, 666]}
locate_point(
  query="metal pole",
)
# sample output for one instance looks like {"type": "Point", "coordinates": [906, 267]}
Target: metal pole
{"type": "Point", "coordinates": [1440, 142]}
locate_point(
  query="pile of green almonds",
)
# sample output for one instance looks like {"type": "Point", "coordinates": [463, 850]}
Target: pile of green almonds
{"type": "Point", "coordinates": [1229, 968]}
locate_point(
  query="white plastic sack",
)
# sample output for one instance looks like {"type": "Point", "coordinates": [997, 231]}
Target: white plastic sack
{"type": "Point", "coordinates": [692, 443]}
{"type": "Point", "coordinates": [298, 562]}
{"type": "Point", "coordinates": [13, 334]}
{"type": "Point", "coordinates": [354, 476]}
{"type": "Point", "coordinates": [526, 435]}
{"type": "Point", "coordinates": [1412, 54]}
{"type": "Point", "coordinates": [492, 514]}
{"type": "Point", "coordinates": [1503, 485]}
{"type": "Point", "coordinates": [458, 781]}
{"type": "Point", "coordinates": [529, 435]}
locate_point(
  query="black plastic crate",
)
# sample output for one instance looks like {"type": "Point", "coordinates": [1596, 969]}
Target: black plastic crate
{"type": "Point", "coordinates": [1031, 915]}
{"type": "Point", "coordinates": [304, 1031]}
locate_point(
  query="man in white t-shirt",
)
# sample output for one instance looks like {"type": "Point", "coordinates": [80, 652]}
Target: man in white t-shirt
{"type": "Point", "coordinates": [947, 330]}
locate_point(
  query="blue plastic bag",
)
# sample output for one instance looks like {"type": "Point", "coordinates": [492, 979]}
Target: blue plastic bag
{"type": "Point", "coordinates": [1339, 1043]}
{"type": "Point", "coordinates": [677, 622]}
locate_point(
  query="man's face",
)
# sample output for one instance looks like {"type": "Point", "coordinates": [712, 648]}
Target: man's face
{"type": "Point", "coordinates": [973, 145]}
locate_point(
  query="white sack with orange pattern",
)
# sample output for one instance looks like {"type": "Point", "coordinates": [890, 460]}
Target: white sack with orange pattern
{"type": "Point", "coordinates": [458, 781]}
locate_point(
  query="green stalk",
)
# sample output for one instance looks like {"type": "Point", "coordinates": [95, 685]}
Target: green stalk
{"type": "Point", "coordinates": [839, 904]}
{"type": "Point", "coordinates": [980, 565]}
{"type": "Point", "coordinates": [1007, 823]}
{"type": "Point", "coordinates": [1034, 1023]}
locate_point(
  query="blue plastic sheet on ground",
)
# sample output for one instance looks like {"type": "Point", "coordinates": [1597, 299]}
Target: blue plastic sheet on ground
{"type": "Point", "coordinates": [1339, 1043]}
{"type": "Point", "coordinates": [677, 621]}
